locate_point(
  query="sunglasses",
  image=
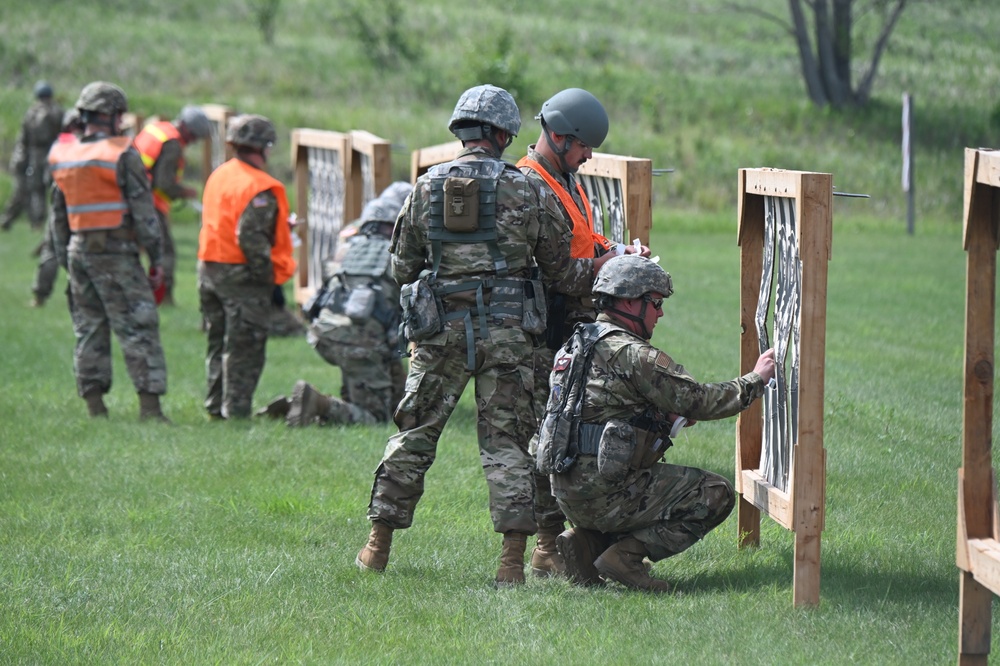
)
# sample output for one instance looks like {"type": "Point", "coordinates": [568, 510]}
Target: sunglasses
{"type": "Point", "coordinates": [655, 302]}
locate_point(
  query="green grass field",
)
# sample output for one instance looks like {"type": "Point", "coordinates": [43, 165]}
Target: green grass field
{"type": "Point", "coordinates": [234, 543]}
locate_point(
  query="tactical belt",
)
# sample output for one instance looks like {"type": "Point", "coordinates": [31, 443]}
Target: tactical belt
{"type": "Point", "coordinates": [499, 306]}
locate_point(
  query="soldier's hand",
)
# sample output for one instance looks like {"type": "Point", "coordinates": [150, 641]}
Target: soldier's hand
{"type": "Point", "coordinates": [765, 366]}
{"type": "Point", "coordinates": [638, 248]}
{"type": "Point", "coordinates": [155, 277]}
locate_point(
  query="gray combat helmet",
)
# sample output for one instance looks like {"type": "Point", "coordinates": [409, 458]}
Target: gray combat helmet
{"type": "Point", "coordinates": [632, 276]}
{"type": "Point", "coordinates": [71, 121]}
{"type": "Point", "coordinates": [397, 191]}
{"type": "Point", "coordinates": [196, 122]}
{"type": "Point", "coordinates": [575, 112]}
{"type": "Point", "coordinates": [251, 131]}
{"type": "Point", "coordinates": [486, 105]}
{"type": "Point", "coordinates": [381, 209]}
{"type": "Point", "coordinates": [102, 97]}
{"type": "Point", "coordinates": [43, 90]}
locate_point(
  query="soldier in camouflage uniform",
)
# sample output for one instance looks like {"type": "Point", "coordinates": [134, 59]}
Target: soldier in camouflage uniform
{"type": "Point", "coordinates": [244, 251]}
{"type": "Point", "coordinates": [574, 123]}
{"type": "Point", "coordinates": [464, 248]}
{"type": "Point", "coordinates": [355, 321]}
{"type": "Point", "coordinates": [161, 145]}
{"type": "Point", "coordinates": [39, 128]}
{"type": "Point", "coordinates": [621, 396]}
{"type": "Point", "coordinates": [48, 263]}
{"type": "Point", "coordinates": [102, 214]}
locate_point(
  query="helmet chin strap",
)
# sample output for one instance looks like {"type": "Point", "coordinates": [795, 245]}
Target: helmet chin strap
{"type": "Point", "coordinates": [639, 319]}
{"type": "Point", "coordinates": [559, 151]}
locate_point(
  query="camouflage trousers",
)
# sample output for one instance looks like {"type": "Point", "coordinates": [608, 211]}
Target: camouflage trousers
{"type": "Point", "coordinates": [48, 268]}
{"type": "Point", "coordinates": [111, 292]}
{"type": "Point", "coordinates": [438, 376]}
{"type": "Point", "coordinates": [371, 376]}
{"type": "Point", "coordinates": [547, 511]}
{"type": "Point", "coordinates": [28, 196]}
{"type": "Point", "coordinates": [168, 253]}
{"type": "Point", "coordinates": [237, 315]}
{"type": "Point", "coordinates": [667, 507]}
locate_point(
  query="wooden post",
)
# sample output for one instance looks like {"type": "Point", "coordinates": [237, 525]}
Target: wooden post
{"type": "Point", "coordinates": [908, 185]}
{"type": "Point", "coordinates": [977, 549]}
{"type": "Point", "coordinates": [801, 506]}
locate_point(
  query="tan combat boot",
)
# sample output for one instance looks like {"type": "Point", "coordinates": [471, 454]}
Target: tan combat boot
{"type": "Point", "coordinates": [545, 559]}
{"type": "Point", "coordinates": [95, 404]}
{"type": "Point", "coordinates": [579, 548]}
{"type": "Point", "coordinates": [622, 563]}
{"type": "Point", "coordinates": [276, 409]}
{"type": "Point", "coordinates": [308, 405]}
{"type": "Point", "coordinates": [511, 571]}
{"type": "Point", "coordinates": [149, 408]}
{"type": "Point", "coordinates": [375, 555]}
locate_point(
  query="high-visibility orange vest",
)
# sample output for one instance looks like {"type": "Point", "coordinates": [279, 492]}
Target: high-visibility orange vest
{"type": "Point", "coordinates": [228, 192]}
{"type": "Point", "coordinates": [86, 173]}
{"type": "Point", "coordinates": [149, 142]}
{"type": "Point", "coordinates": [584, 236]}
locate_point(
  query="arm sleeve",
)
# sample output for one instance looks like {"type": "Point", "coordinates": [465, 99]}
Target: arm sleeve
{"type": "Point", "coordinates": [134, 183]}
{"type": "Point", "coordinates": [255, 235]}
{"type": "Point", "coordinates": [59, 223]}
{"type": "Point", "coordinates": [552, 250]}
{"type": "Point", "coordinates": [165, 170]}
{"type": "Point", "coordinates": [409, 240]}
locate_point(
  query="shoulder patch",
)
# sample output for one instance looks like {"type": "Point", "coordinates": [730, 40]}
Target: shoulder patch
{"type": "Point", "coordinates": [561, 364]}
{"type": "Point", "coordinates": [662, 360]}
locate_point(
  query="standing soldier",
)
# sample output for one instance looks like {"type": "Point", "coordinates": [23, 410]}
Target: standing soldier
{"type": "Point", "coordinates": [355, 327]}
{"type": "Point", "coordinates": [102, 213]}
{"type": "Point", "coordinates": [39, 128]}
{"type": "Point", "coordinates": [463, 250]}
{"type": "Point", "coordinates": [621, 397]}
{"type": "Point", "coordinates": [574, 123]}
{"type": "Point", "coordinates": [48, 263]}
{"type": "Point", "coordinates": [244, 252]}
{"type": "Point", "coordinates": [161, 145]}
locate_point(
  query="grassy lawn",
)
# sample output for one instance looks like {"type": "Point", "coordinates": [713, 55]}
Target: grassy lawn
{"type": "Point", "coordinates": [234, 543]}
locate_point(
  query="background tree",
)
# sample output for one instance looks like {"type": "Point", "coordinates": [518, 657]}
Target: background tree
{"type": "Point", "coordinates": [825, 51]}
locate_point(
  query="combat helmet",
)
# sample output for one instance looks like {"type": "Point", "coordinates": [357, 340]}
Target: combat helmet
{"type": "Point", "coordinates": [576, 112]}
{"type": "Point", "coordinates": [252, 131]}
{"type": "Point", "coordinates": [484, 105]}
{"type": "Point", "coordinates": [632, 276]}
{"type": "Point", "coordinates": [102, 97]}
{"type": "Point", "coordinates": [196, 122]}
{"type": "Point", "coordinates": [380, 209]}
{"type": "Point", "coordinates": [71, 120]}
{"type": "Point", "coordinates": [397, 191]}
{"type": "Point", "coordinates": [43, 89]}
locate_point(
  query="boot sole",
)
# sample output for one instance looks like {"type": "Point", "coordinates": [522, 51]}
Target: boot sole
{"type": "Point", "coordinates": [574, 550]}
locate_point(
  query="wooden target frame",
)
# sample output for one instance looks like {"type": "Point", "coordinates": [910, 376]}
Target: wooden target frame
{"type": "Point", "coordinates": [788, 213]}
{"type": "Point", "coordinates": [977, 552]}
{"type": "Point", "coordinates": [620, 189]}
{"type": "Point", "coordinates": [214, 150]}
{"type": "Point", "coordinates": [336, 174]}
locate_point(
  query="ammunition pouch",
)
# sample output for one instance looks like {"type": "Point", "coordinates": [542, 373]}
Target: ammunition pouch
{"type": "Point", "coordinates": [422, 311]}
{"type": "Point", "coordinates": [621, 447]}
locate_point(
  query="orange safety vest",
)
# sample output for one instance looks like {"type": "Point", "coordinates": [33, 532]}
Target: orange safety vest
{"type": "Point", "coordinates": [149, 142]}
{"type": "Point", "coordinates": [584, 236]}
{"type": "Point", "coordinates": [87, 175]}
{"type": "Point", "coordinates": [228, 192]}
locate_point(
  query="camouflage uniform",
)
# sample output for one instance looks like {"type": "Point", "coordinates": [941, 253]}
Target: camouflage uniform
{"type": "Point", "coordinates": [363, 347]}
{"type": "Point", "coordinates": [164, 178]}
{"type": "Point", "coordinates": [39, 128]}
{"type": "Point", "coordinates": [569, 302]}
{"type": "Point", "coordinates": [236, 305]}
{"type": "Point", "coordinates": [110, 289]}
{"type": "Point", "coordinates": [528, 230]}
{"type": "Point", "coordinates": [666, 507]}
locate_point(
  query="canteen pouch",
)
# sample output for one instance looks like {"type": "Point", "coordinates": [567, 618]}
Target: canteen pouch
{"type": "Point", "coordinates": [615, 452]}
{"type": "Point", "coordinates": [461, 204]}
{"type": "Point", "coordinates": [555, 434]}
{"type": "Point", "coordinates": [421, 314]}
{"type": "Point", "coordinates": [533, 311]}
{"type": "Point", "coordinates": [360, 304]}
